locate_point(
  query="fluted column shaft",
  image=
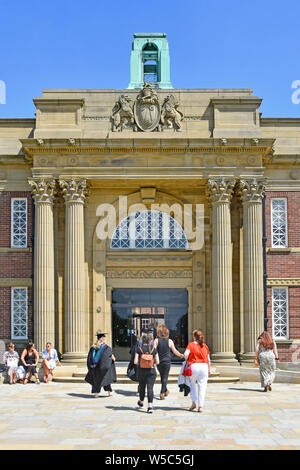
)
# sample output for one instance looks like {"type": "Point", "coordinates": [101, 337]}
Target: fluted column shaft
{"type": "Point", "coordinates": [44, 293]}
{"type": "Point", "coordinates": [222, 305]}
{"type": "Point", "coordinates": [76, 318]}
{"type": "Point", "coordinates": [251, 194]}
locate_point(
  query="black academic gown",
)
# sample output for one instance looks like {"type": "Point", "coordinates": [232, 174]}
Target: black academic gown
{"type": "Point", "coordinates": [105, 371]}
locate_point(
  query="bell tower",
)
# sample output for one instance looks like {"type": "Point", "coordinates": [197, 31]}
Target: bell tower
{"type": "Point", "coordinates": [150, 61]}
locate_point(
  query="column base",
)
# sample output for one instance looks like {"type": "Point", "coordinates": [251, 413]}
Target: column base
{"type": "Point", "coordinates": [74, 358]}
{"type": "Point", "coordinates": [248, 357]}
{"type": "Point", "coordinates": [224, 357]}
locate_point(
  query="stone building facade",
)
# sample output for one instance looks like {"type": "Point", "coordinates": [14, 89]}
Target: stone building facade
{"type": "Point", "coordinates": [205, 148]}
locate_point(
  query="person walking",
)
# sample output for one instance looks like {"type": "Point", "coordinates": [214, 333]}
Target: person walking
{"type": "Point", "coordinates": [30, 359]}
{"type": "Point", "coordinates": [50, 359]}
{"type": "Point", "coordinates": [146, 358]}
{"type": "Point", "coordinates": [197, 355]}
{"type": "Point", "coordinates": [11, 361]}
{"type": "Point", "coordinates": [164, 345]}
{"type": "Point", "coordinates": [265, 355]}
{"type": "Point", "coordinates": [101, 366]}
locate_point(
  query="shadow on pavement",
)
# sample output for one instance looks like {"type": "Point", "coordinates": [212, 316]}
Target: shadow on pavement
{"type": "Point", "coordinates": [246, 390]}
{"type": "Point", "coordinates": [127, 393]}
{"type": "Point", "coordinates": [144, 409]}
{"type": "Point", "coordinates": [81, 395]}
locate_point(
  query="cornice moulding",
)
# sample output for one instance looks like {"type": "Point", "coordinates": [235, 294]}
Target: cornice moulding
{"type": "Point", "coordinates": [58, 101]}
{"type": "Point", "coordinates": [237, 100]}
{"type": "Point", "coordinates": [285, 282]}
{"type": "Point", "coordinates": [148, 145]}
{"type": "Point", "coordinates": [15, 282]}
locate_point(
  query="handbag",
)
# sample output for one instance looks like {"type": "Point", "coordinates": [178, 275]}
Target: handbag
{"type": "Point", "coordinates": [187, 371]}
{"type": "Point", "coordinates": [132, 372]}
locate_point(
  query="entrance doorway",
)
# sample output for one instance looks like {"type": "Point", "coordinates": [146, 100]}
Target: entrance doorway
{"type": "Point", "coordinates": [135, 311]}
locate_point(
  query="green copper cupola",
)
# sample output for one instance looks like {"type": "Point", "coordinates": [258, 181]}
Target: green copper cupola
{"type": "Point", "coordinates": [150, 61]}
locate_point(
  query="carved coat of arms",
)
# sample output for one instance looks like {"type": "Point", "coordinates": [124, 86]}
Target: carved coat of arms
{"type": "Point", "coordinates": [146, 113]}
{"type": "Point", "coordinates": [147, 109]}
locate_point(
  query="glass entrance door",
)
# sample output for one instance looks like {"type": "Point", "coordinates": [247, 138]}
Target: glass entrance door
{"type": "Point", "coordinates": [135, 311]}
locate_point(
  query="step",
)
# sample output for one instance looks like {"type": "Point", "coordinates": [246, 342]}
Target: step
{"type": "Point", "coordinates": [123, 375]}
{"type": "Point", "coordinates": [125, 380]}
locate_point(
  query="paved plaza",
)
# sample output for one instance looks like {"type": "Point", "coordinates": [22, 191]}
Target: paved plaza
{"type": "Point", "coordinates": [67, 416]}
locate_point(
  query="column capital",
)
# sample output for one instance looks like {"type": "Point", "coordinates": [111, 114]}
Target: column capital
{"type": "Point", "coordinates": [74, 190]}
{"type": "Point", "coordinates": [252, 189]}
{"type": "Point", "coordinates": [43, 190]}
{"type": "Point", "coordinates": [220, 189]}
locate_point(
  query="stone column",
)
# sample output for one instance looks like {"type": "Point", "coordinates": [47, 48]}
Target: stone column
{"type": "Point", "coordinates": [76, 316]}
{"type": "Point", "coordinates": [44, 309]}
{"type": "Point", "coordinates": [220, 191]}
{"type": "Point", "coordinates": [251, 194]}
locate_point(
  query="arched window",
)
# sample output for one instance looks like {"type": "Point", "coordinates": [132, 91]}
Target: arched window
{"type": "Point", "coordinates": [149, 230]}
{"type": "Point", "coordinates": [150, 60]}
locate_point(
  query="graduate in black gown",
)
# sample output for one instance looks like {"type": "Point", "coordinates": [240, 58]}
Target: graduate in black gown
{"type": "Point", "coordinates": [101, 366]}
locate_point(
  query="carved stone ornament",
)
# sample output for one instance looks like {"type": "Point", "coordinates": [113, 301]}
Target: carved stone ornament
{"type": "Point", "coordinates": [43, 190]}
{"type": "Point", "coordinates": [145, 274]}
{"type": "Point", "coordinates": [147, 109]}
{"type": "Point", "coordinates": [146, 113]}
{"type": "Point", "coordinates": [251, 190]}
{"type": "Point", "coordinates": [74, 190]}
{"type": "Point", "coordinates": [220, 189]}
{"type": "Point", "coordinates": [171, 116]}
{"type": "Point", "coordinates": [122, 114]}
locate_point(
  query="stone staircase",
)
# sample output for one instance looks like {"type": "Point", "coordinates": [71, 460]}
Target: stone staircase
{"type": "Point", "coordinates": [78, 375]}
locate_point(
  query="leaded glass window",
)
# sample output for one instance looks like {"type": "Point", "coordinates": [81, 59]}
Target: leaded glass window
{"type": "Point", "coordinates": [19, 313]}
{"type": "Point", "coordinates": [149, 230]}
{"type": "Point", "coordinates": [19, 223]}
{"type": "Point", "coordinates": [279, 223]}
{"type": "Point", "coordinates": [280, 312]}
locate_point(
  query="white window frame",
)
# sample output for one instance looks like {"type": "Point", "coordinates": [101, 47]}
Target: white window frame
{"type": "Point", "coordinates": [12, 222]}
{"type": "Point", "coordinates": [286, 222]}
{"type": "Point", "coordinates": [14, 337]}
{"type": "Point", "coordinates": [287, 314]}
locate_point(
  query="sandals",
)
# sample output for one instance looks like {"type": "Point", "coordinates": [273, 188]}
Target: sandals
{"type": "Point", "coordinates": [46, 379]}
{"type": "Point", "coordinates": [200, 409]}
{"type": "Point", "coordinates": [192, 407]}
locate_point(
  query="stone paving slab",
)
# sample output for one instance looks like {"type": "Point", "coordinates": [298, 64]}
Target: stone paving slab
{"type": "Point", "coordinates": [66, 416]}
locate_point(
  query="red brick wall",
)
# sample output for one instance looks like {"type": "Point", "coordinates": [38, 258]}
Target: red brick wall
{"type": "Point", "coordinates": [286, 265]}
{"type": "Point", "coordinates": [13, 264]}
{"type": "Point", "coordinates": [5, 313]}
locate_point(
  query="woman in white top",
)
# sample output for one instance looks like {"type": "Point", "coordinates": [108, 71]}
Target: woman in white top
{"type": "Point", "coordinates": [11, 360]}
{"type": "Point", "coordinates": [50, 358]}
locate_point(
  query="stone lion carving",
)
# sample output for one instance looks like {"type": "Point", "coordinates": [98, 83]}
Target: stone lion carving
{"type": "Point", "coordinates": [122, 114]}
{"type": "Point", "coordinates": [171, 117]}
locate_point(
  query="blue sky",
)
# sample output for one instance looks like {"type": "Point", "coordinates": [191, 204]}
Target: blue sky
{"type": "Point", "coordinates": [213, 44]}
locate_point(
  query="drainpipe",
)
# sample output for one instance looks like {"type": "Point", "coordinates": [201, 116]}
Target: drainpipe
{"type": "Point", "coordinates": [32, 264]}
{"type": "Point", "coordinates": [264, 240]}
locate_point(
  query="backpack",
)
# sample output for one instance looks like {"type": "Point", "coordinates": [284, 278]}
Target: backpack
{"type": "Point", "coordinates": [146, 359]}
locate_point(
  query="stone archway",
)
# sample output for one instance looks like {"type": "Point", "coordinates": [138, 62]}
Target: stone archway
{"type": "Point", "coordinates": [138, 268]}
